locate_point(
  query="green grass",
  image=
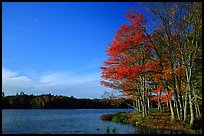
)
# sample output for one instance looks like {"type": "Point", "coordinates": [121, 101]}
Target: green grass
{"type": "Point", "coordinates": [119, 117]}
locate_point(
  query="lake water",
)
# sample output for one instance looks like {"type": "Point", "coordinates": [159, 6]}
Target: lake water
{"type": "Point", "coordinates": [66, 121]}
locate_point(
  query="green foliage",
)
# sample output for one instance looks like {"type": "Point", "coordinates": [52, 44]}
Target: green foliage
{"type": "Point", "coordinates": [188, 126]}
{"type": "Point", "coordinates": [120, 117]}
{"type": "Point", "coordinates": [48, 101]}
{"type": "Point", "coordinates": [190, 131]}
{"type": "Point", "coordinates": [107, 130]}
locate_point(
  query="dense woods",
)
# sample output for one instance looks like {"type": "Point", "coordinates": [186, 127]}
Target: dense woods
{"type": "Point", "coordinates": [48, 101]}
{"type": "Point", "coordinates": [162, 66]}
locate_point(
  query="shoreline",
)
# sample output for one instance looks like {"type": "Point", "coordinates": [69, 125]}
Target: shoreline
{"type": "Point", "coordinates": [155, 120]}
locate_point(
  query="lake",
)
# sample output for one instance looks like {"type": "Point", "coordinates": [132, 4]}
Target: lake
{"type": "Point", "coordinates": [67, 121]}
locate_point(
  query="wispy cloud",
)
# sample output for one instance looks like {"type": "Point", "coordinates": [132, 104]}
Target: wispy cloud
{"type": "Point", "coordinates": [60, 83]}
{"type": "Point", "coordinates": [12, 81]}
{"type": "Point", "coordinates": [63, 78]}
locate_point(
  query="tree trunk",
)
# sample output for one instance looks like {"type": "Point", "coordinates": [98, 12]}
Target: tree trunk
{"type": "Point", "coordinates": [167, 104]}
{"type": "Point", "coordinates": [185, 106]}
{"type": "Point", "coordinates": [177, 110]}
{"type": "Point", "coordinates": [181, 110]}
{"type": "Point", "coordinates": [180, 106]}
{"type": "Point", "coordinates": [196, 111]}
{"type": "Point", "coordinates": [191, 108]}
{"type": "Point", "coordinates": [159, 105]}
{"type": "Point", "coordinates": [180, 98]}
{"type": "Point", "coordinates": [172, 111]}
{"type": "Point", "coordinates": [148, 103]}
{"type": "Point", "coordinates": [188, 86]}
{"type": "Point", "coordinates": [139, 104]}
{"type": "Point", "coordinates": [143, 110]}
{"type": "Point", "coordinates": [199, 114]}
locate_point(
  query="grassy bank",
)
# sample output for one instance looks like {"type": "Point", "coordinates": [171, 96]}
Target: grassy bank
{"type": "Point", "coordinates": [155, 119]}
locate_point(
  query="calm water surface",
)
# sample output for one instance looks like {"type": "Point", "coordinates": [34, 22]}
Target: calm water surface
{"type": "Point", "coordinates": [66, 121]}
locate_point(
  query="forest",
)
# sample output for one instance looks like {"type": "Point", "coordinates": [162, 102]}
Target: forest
{"type": "Point", "coordinates": [48, 101]}
{"type": "Point", "coordinates": [162, 66]}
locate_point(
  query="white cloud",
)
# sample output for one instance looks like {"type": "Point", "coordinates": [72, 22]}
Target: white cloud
{"type": "Point", "coordinates": [14, 78]}
{"type": "Point", "coordinates": [59, 83]}
{"type": "Point", "coordinates": [67, 78]}
{"type": "Point", "coordinates": [12, 81]}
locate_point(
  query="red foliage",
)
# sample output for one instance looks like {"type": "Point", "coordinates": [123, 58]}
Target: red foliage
{"type": "Point", "coordinates": [167, 97]}
{"type": "Point", "coordinates": [128, 54]}
{"type": "Point", "coordinates": [154, 98]}
{"type": "Point", "coordinates": [158, 90]}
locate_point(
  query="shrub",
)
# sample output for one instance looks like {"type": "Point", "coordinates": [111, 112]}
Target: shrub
{"type": "Point", "coordinates": [120, 118]}
{"type": "Point", "coordinates": [107, 117]}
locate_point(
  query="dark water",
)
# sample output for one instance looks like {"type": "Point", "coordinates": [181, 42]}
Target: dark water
{"type": "Point", "coordinates": [66, 121]}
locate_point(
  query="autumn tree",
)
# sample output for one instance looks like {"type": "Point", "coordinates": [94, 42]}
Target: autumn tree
{"type": "Point", "coordinates": [130, 62]}
{"type": "Point", "coordinates": [182, 26]}
{"type": "Point", "coordinates": [168, 58]}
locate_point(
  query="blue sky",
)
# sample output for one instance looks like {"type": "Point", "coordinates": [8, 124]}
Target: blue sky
{"type": "Point", "coordinates": [58, 48]}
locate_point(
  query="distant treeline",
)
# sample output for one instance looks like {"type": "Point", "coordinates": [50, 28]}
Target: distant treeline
{"type": "Point", "coordinates": [48, 101]}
